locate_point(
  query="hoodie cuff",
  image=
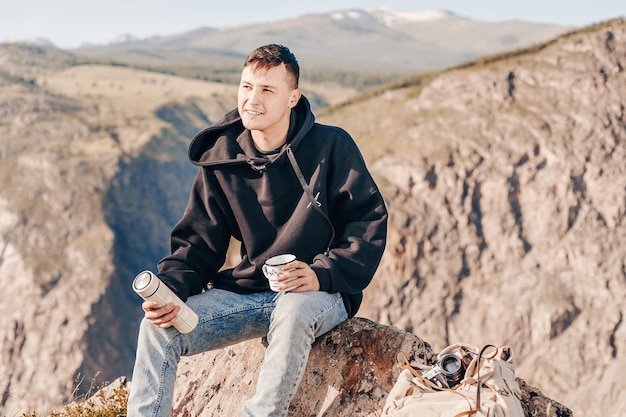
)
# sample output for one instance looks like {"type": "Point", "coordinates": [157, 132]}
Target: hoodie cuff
{"type": "Point", "coordinates": [323, 277]}
{"type": "Point", "coordinates": [177, 288]}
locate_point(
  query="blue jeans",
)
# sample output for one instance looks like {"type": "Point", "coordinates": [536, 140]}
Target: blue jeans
{"type": "Point", "coordinates": [291, 322]}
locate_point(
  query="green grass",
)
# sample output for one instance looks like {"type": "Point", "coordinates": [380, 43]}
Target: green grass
{"type": "Point", "coordinates": [108, 402]}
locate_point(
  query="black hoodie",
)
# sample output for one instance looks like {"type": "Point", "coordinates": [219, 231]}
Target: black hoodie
{"type": "Point", "coordinates": [313, 198]}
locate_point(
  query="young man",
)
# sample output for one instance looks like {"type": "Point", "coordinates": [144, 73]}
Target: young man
{"type": "Point", "coordinates": [279, 183]}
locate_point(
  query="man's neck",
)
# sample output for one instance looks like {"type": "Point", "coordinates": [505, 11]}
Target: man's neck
{"type": "Point", "coordinates": [268, 142]}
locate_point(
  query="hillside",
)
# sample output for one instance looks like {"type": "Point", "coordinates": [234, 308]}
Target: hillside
{"type": "Point", "coordinates": [93, 171]}
{"type": "Point", "coordinates": [507, 191]}
{"type": "Point", "coordinates": [504, 179]}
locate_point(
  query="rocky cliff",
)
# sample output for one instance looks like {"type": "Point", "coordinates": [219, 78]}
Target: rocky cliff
{"type": "Point", "coordinates": [94, 174]}
{"type": "Point", "coordinates": [504, 179]}
{"type": "Point", "coordinates": [507, 191]}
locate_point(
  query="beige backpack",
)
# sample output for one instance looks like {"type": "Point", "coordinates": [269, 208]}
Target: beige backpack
{"type": "Point", "coordinates": [465, 381]}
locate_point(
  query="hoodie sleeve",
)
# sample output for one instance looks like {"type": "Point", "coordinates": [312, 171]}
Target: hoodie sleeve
{"type": "Point", "coordinates": [359, 216]}
{"type": "Point", "coordinates": [199, 242]}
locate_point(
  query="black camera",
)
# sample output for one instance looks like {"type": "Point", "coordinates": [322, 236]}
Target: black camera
{"type": "Point", "coordinates": [449, 370]}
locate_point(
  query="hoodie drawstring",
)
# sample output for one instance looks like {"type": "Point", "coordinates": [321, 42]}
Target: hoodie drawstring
{"type": "Point", "coordinates": [260, 168]}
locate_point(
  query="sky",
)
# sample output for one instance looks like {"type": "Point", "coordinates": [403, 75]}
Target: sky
{"type": "Point", "coordinates": [70, 23]}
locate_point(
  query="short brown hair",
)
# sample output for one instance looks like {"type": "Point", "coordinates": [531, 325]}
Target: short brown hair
{"type": "Point", "coordinates": [273, 55]}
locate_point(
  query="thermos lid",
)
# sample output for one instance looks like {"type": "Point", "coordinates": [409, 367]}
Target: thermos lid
{"type": "Point", "coordinates": [142, 280]}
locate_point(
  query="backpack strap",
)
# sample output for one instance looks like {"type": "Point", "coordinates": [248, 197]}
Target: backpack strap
{"type": "Point", "coordinates": [309, 193]}
{"type": "Point", "coordinates": [478, 383]}
{"type": "Point", "coordinates": [480, 356]}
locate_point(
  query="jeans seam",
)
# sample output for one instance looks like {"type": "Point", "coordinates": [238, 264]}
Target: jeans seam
{"type": "Point", "coordinates": [331, 307]}
{"type": "Point", "coordinates": [164, 366]}
{"type": "Point", "coordinates": [234, 311]}
{"type": "Point", "coordinates": [161, 387]}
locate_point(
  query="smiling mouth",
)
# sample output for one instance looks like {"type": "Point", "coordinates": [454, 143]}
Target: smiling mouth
{"type": "Point", "coordinates": [253, 112]}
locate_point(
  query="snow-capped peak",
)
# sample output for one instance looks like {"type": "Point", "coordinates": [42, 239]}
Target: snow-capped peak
{"type": "Point", "coordinates": [395, 17]}
{"type": "Point", "coordinates": [346, 14]}
{"type": "Point", "coordinates": [123, 38]}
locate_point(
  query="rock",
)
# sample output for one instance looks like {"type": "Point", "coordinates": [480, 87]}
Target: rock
{"type": "Point", "coordinates": [536, 404]}
{"type": "Point", "coordinates": [91, 184]}
{"type": "Point", "coordinates": [350, 372]}
{"type": "Point", "coordinates": [110, 400]}
{"type": "Point", "coordinates": [506, 188]}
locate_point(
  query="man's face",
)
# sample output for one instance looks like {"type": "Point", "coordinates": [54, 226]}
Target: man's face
{"type": "Point", "coordinates": [265, 99]}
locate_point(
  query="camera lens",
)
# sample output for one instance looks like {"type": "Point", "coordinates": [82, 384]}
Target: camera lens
{"type": "Point", "coordinates": [451, 364]}
{"type": "Point", "coordinates": [452, 369]}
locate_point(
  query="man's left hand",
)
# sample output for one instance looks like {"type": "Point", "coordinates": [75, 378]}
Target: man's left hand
{"type": "Point", "coordinates": [301, 275]}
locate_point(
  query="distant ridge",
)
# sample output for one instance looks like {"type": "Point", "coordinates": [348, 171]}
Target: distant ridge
{"type": "Point", "coordinates": [373, 39]}
{"type": "Point", "coordinates": [40, 41]}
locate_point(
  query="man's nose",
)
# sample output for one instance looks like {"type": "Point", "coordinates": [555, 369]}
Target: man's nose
{"type": "Point", "coordinates": [254, 96]}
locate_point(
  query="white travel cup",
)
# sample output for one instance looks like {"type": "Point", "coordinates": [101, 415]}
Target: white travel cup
{"type": "Point", "coordinates": [273, 267]}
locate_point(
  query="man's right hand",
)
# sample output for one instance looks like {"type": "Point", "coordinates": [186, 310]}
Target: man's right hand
{"type": "Point", "coordinates": [160, 316]}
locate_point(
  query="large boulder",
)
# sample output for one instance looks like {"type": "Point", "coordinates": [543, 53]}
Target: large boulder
{"type": "Point", "coordinates": [350, 372]}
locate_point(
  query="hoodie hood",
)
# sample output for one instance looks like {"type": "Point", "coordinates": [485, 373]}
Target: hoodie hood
{"type": "Point", "coordinates": [228, 142]}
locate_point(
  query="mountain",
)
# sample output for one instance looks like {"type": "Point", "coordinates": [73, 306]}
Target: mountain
{"type": "Point", "coordinates": [504, 177]}
{"type": "Point", "coordinates": [373, 39]}
{"type": "Point", "coordinates": [78, 145]}
{"type": "Point", "coordinates": [506, 184]}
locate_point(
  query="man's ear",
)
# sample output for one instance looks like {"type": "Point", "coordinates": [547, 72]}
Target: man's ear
{"type": "Point", "coordinates": [295, 97]}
